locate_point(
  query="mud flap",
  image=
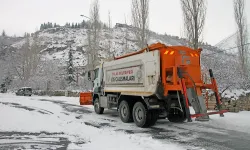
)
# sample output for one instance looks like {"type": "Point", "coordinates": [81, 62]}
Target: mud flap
{"type": "Point", "coordinates": [198, 103]}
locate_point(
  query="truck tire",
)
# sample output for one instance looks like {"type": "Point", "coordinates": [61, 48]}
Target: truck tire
{"type": "Point", "coordinates": [125, 112]}
{"type": "Point", "coordinates": [98, 109]}
{"type": "Point", "coordinates": [142, 117]}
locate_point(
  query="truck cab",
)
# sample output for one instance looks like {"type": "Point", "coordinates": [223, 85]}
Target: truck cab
{"type": "Point", "coordinates": [97, 79]}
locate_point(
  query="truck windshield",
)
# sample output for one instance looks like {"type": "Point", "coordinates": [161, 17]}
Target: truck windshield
{"type": "Point", "coordinates": [96, 72]}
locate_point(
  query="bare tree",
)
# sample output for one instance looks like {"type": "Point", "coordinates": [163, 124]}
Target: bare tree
{"type": "Point", "coordinates": [35, 56]}
{"type": "Point", "coordinates": [110, 33]}
{"type": "Point", "coordinates": [93, 39]}
{"type": "Point", "coordinates": [48, 76]}
{"type": "Point", "coordinates": [27, 58]}
{"type": "Point", "coordinates": [109, 36]}
{"type": "Point", "coordinates": [25, 52]}
{"type": "Point", "coordinates": [93, 34]}
{"type": "Point", "coordinates": [140, 20]}
{"type": "Point", "coordinates": [194, 13]}
{"type": "Point", "coordinates": [126, 48]}
{"type": "Point", "coordinates": [240, 19]}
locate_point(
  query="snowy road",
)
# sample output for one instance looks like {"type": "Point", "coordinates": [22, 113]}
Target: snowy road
{"type": "Point", "coordinates": [60, 123]}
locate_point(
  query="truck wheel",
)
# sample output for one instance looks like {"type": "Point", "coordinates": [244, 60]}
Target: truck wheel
{"type": "Point", "coordinates": [141, 116]}
{"type": "Point", "coordinates": [125, 112]}
{"type": "Point", "coordinates": [98, 109]}
{"type": "Point", "coordinates": [176, 115]}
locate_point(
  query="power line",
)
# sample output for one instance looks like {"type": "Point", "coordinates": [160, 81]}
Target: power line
{"type": "Point", "coordinates": [226, 50]}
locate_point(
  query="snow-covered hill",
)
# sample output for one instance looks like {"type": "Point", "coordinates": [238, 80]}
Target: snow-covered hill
{"type": "Point", "coordinates": [55, 43]}
{"type": "Point", "coordinates": [122, 39]}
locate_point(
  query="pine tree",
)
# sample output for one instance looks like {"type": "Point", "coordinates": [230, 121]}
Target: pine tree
{"type": "Point", "coordinates": [104, 26]}
{"type": "Point", "coordinates": [41, 27]}
{"type": "Point", "coordinates": [26, 34]}
{"type": "Point", "coordinates": [55, 25]}
{"type": "Point", "coordinates": [70, 70]}
{"type": "Point", "coordinates": [44, 26]}
{"type": "Point", "coordinates": [72, 26]}
{"type": "Point", "coordinates": [3, 33]}
{"type": "Point", "coordinates": [83, 24]}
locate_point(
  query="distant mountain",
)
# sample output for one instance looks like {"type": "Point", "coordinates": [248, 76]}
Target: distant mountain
{"type": "Point", "coordinates": [230, 42]}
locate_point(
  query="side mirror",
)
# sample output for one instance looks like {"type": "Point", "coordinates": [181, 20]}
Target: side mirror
{"type": "Point", "coordinates": [91, 75]}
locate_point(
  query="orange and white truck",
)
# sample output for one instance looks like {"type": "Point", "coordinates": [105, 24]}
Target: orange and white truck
{"type": "Point", "coordinates": [156, 82]}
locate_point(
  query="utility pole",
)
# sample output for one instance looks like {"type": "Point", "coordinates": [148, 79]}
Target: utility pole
{"type": "Point", "coordinates": [89, 59]}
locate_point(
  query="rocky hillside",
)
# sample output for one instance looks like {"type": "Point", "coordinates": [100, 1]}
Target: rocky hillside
{"type": "Point", "coordinates": [54, 48]}
{"type": "Point", "coordinates": [55, 41]}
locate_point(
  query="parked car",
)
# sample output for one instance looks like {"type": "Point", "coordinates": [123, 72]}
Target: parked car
{"type": "Point", "coordinates": [24, 91]}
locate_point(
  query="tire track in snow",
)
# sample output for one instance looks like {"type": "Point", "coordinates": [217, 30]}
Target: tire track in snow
{"type": "Point", "coordinates": [69, 107]}
{"type": "Point", "coordinates": [177, 133]}
{"type": "Point", "coordinates": [29, 140]}
{"type": "Point", "coordinates": [194, 136]}
{"type": "Point", "coordinates": [16, 105]}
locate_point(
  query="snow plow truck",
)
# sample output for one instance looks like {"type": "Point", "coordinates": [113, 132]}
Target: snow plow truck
{"type": "Point", "coordinates": [156, 82]}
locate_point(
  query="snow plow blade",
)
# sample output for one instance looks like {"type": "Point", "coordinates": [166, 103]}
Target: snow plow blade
{"type": "Point", "coordinates": [86, 98]}
{"type": "Point", "coordinates": [210, 113]}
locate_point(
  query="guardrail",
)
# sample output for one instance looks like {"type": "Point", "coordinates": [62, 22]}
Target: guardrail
{"type": "Point", "coordinates": [56, 93]}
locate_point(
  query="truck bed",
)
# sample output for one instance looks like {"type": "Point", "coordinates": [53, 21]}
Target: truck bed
{"type": "Point", "coordinates": [134, 75]}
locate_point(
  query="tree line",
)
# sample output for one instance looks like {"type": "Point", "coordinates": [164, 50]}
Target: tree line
{"type": "Point", "coordinates": [83, 24]}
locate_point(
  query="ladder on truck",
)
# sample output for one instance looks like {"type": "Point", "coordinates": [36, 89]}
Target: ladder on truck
{"type": "Point", "coordinates": [212, 86]}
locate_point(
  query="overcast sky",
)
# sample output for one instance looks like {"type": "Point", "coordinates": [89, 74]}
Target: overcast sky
{"type": "Point", "coordinates": [19, 16]}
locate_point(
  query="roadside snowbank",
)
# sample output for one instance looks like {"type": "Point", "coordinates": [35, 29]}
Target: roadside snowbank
{"type": "Point", "coordinates": [232, 121]}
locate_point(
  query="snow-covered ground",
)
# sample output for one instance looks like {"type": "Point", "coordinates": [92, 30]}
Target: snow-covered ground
{"type": "Point", "coordinates": [60, 122]}
{"type": "Point", "coordinates": [47, 115]}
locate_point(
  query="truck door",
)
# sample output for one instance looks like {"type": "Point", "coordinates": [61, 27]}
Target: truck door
{"type": "Point", "coordinates": [97, 81]}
